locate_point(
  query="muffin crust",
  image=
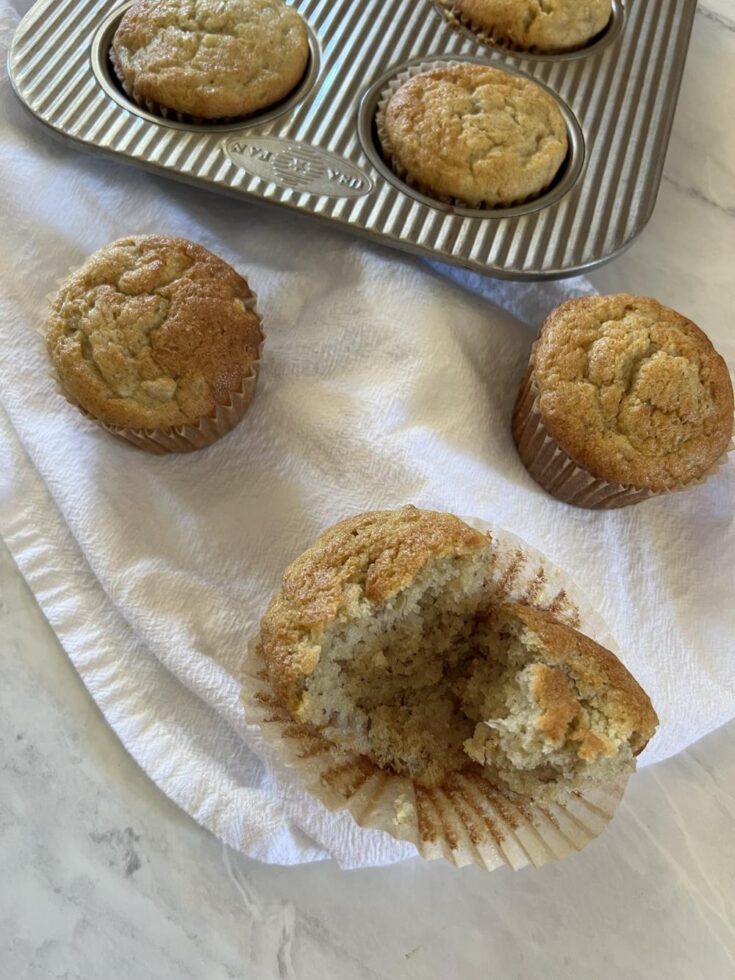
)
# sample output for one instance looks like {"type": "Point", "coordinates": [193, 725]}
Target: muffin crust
{"type": "Point", "coordinates": [570, 653]}
{"type": "Point", "coordinates": [632, 391]}
{"type": "Point", "coordinates": [153, 332]}
{"type": "Point", "coordinates": [564, 711]}
{"type": "Point", "coordinates": [475, 134]}
{"type": "Point", "coordinates": [539, 25]}
{"type": "Point", "coordinates": [210, 59]}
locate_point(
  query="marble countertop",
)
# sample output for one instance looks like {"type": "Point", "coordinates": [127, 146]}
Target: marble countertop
{"type": "Point", "coordinates": [102, 877]}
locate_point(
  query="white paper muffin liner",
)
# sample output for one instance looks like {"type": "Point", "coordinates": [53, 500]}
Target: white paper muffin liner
{"type": "Point", "coordinates": [560, 475]}
{"type": "Point", "coordinates": [468, 820]}
{"type": "Point", "coordinates": [492, 39]}
{"type": "Point", "coordinates": [181, 438]}
{"type": "Point", "coordinates": [392, 86]}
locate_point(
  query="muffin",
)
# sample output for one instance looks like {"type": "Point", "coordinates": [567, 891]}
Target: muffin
{"type": "Point", "coordinates": [211, 59]}
{"type": "Point", "coordinates": [158, 340]}
{"type": "Point", "coordinates": [624, 399]}
{"type": "Point", "coordinates": [560, 25]}
{"type": "Point", "coordinates": [389, 640]}
{"type": "Point", "coordinates": [473, 135]}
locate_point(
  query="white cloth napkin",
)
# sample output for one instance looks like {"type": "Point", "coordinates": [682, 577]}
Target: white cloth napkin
{"type": "Point", "coordinates": [385, 380]}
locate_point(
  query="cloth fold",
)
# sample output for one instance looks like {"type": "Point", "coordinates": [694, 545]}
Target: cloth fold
{"type": "Point", "coordinates": [384, 380]}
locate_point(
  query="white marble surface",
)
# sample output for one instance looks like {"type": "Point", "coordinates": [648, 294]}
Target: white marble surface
{"type": "Point", "coordinates": [102, 877]}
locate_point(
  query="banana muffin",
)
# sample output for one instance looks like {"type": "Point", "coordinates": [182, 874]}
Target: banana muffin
{"type": "Point", "coordinates": [156, 335]}
{"type": "Point", "coordinates": [475, 135]}
{"type": "Point", "coordinates": [624, 399]}
{"type": "Point", "coordinates": [389, 640]}
{"type": "Point", "coordinates": [532, 25]}
{"type": "Point", "coordinates": [210, 59]}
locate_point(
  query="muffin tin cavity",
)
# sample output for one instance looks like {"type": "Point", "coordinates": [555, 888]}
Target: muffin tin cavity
{"type": "Point", "coordinates": [607, 36]}
{"type": "Point", "coordinates": [316, 152]}
{"type": "Point", "coordinates": [108, 80]}
{"type": "Point", "coordinates": [566, 177]}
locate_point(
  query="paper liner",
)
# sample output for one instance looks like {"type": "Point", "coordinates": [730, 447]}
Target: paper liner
{"type": "Point", "coordinates": [561, 476]}
{"type": "Point", "coordinates": [491, 39]}
{"type": "Point", "coordinates": [400, 171]}
{"type": "Point", "coordinates": [156, 109]}
{"type": "Point", "coordinates": [180, 438]}
{"type": "Point", "coordinates": [187, 438]}
{"type": "Point", "coordinates": [468, 819]}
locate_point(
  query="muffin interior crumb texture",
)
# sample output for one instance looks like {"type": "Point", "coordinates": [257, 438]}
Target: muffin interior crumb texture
{"type": "Point", "coordinates": [153, 332]}
{"type": "Point", "coordinates": [438, 677]}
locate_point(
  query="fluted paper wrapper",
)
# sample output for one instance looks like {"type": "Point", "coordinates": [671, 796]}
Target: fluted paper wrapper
{"type": "Point", "coordinates": [560, 475]}
{"type": "Point", "coordinates": [182, 438]}
{"type": "Point", "coordinates": [156, 109]}
{"type": "Point", "coordinates": [188, 438]}
{"type": "Point", "coordinates": [467, 820]}
{"type": "Point", "coordinates": [400, 171]}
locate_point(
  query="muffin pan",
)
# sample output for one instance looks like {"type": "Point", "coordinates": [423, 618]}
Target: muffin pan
{"type": "Point", "coordinates": [316, 152]}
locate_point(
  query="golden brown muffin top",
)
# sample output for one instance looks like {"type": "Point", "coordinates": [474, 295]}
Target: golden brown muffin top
{"type": "Point", "coordinates": [153, 332]}
{"type": "Point", "coordinates": [475, 134]}
{"type": "Point", "coordinates": [634, 392]}
{"type": "Point", "coordinates": [540, 25]}
{"type": "Point", "coordinates": [569, 657]}
{"type": "Point", "coordinates": [210, 58]}
{"type": "Point", "coordinates": [368, 557]}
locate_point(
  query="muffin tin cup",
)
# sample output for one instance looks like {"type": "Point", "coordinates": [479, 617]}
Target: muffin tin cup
{"type": "Point", "coordinates": [563, 181]}
{"type": "Point", "coordinates": [467, 820]}
{"type": "Point", "coordinates": [105, 69]}
{"type": "Point", "coordinates": [181, 438]}
{"type": "Point", "coordinates": [316, 152]}
{"type": "Point", "coordinates": [493, 40]}
{"type": "Point", "coordinates": [557, 473]}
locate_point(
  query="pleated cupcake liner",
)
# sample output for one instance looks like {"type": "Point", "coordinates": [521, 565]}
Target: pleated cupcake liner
{"type": "Point", "coordinates": [561, 476]}
{"type": "Point", "coordinates": [187, 438]}
{"type": "Point", "coordinates": [403, 174]}
{"type": "Point", "coordinates": [468, 819]}
{"type": "Point", "coordinates": [493, 39]}
{"type": "Point", "coordinates": [180, 438]}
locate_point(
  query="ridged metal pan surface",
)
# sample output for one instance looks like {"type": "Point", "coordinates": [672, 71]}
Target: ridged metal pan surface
{"type": "Point", "coordinates": [316, 153]}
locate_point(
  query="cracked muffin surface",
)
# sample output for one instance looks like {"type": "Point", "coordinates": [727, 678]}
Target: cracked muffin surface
{"type": "Point", "coordinates": [540, 25]}
{"type": "Point", "coordinates": [211, 59]}
{"type": "Point", "coordinates": [475, 134]}
{"type": "Point", "coordinates": [153, 332]}
{"type": "Point", "coordinates": [634, 392]}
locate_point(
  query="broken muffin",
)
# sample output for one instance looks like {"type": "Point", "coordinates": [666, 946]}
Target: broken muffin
{"type": "Point", "coordinates": [390, 639]}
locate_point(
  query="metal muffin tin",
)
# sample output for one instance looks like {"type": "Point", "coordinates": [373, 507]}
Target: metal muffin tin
{"type": "Point", "coordinates": [317, 151]}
